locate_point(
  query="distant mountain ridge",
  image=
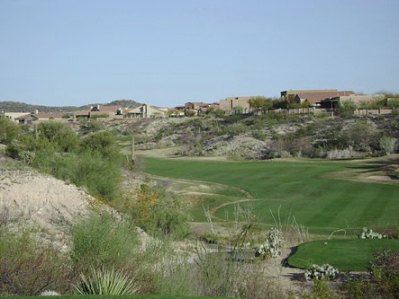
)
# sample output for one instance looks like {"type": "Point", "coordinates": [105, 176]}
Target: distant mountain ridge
{"type": "Point", "coordinates": [10, 106]}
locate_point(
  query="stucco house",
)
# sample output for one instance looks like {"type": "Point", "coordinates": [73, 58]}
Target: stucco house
{"type": "Point", "coordinates": [99, 112]}
{"type": "Point", "coordinates": [313, 97]}
{"type": "Point", "coordinates": [231, 104]}
{"type": "Point", "coordinates": [40, 117]}
{"type": "Point", "coordinates": [359, 100]}
{"type": "Point", "coordinates": [146, 111]}
{"type": "Point", "coordinates": [13, 115]}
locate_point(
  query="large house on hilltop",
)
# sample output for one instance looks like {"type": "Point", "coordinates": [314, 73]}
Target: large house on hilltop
{"type": "Point", "coordinates": [146, 111]}
{"type": "Point", "coordinates": [358, 100]}
{"type": "Point", "coordinates": [101, 112]}
{"type": "Point", "coordinates": [312, 96]}
{"type": "Point", "coordinates": [30, 118]}
{"type": "Point", "coordinates": [231, 104]}
{"type": "Point", "coordinates": [13, 115]}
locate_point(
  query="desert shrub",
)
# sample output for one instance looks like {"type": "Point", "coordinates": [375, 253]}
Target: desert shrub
{"type": "Point", "coordinates": [91, 127]}
{"type": "Point", "coordinates": [347, 107]}
{"type": "Point", "coordinates": [384, 282]}
{"type": "Point", "coordinates": [236, 129]}
{"type": "Point", "coordinates": [14, 150]}
{"type": "Point", "coordinates": [321, 290]}
{"type": "Point", "coordinates": [106, 282]}
{"type": "Point", "coordinates": [29, 267]}
{"type": "Point", "coordinates": [393, 103]}
{"type": "Point", "coordinates": [258, 134]}
{"type": "Point", "coordinates": [102, 240]}
{"type": "Point", "coordinates": [29, 142]}
{"type": "Point", "coordinates": [159, 213]}
{"type": "Point", "coordinates": [361, 136]}
{"type": "Point", "coordinates": [388, 144]}
{"type": "Point", "coordinates": [8, 130]}
{"type": "Point", "coordinates": [218, 275]}
{"type": "Point", "coordinates": [59, 134]}
{"type": "Point", "coordinates": [217, 113]}
{"type": "Point", "coordinates": [358, 288]}
{"type": "Point", "coordinates": [101, 142]}
{"type": "Point", "coordinates": [100, 176]}
{"type": "Point", "coordinates": [279, 104]}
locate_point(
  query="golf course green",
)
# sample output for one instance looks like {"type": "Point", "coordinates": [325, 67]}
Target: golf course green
{"type": "Point", "coordinates": [346, 255]}
{"type": "Point", "coordinates": [309, 190]}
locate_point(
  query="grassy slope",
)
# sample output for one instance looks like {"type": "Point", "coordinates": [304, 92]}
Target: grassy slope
{"type": "Point", "coordinates": [301, 188]}
{"type": "Point", "coordinates": [346, 255]}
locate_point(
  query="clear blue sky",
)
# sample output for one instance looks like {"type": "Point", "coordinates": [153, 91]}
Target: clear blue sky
{"type": "Point", "coordinates": [167, 52]}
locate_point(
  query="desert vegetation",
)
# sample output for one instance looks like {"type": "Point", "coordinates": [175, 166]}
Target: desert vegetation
{"type": "Point", "coordinates": [271, 135]}
{"type": "Point", "coordinates": [137, 234]}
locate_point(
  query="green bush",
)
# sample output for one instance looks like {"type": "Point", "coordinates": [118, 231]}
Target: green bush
{"type": "Point", "coordinates": [159, 213]}
{"type": "Point", "coordinates": [388, 144]}
{"type": "Point", "coordinates": [102, 240]}
{"type": "Point", "coordinates": [347, 106]}
{"type": "Point", "coordinates": [8, 130]}
{"type": "Point", "coordinates": [93, 162]}
{"type": "Point", "coordinates": [91, 127]}
{"type": "Point", "coordinates": [100, 176]}
{"type": "Point", "coordinates": [361, 136]}
{"type": "Point", "coordinates": [60, 135]}
{"type": "Point", "coordinates": [236, 129]}
{"type": "Point", "coordinates": [102, 142]}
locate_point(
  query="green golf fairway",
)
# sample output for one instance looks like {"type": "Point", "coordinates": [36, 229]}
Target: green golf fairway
{"type": "Point", "coordinates": [346, 255]}
{"type": "Point", "coordinates": [301, 189]}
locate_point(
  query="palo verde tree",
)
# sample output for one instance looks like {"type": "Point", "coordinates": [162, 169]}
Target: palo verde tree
{"type": "Point", "coordinates": [260, 104]}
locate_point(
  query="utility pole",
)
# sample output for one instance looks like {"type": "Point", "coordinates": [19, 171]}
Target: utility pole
{"type": "Point", "coordinates": [36, 133]}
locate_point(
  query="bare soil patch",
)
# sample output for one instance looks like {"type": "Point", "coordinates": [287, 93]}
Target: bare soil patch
{"type": "Point", "coordinates": [28, 198]}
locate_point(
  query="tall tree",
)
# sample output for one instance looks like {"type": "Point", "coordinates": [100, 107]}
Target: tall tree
{"type": "Point", "coordinates": [260, 104]}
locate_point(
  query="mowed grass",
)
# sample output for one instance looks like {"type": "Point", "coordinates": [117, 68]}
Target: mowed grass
{"type": "Point", "coordinates": [345, 254]}
{"type": "Point", "coordinates": [305, 190]}
{"type": "Point", "coordinates": [151, 296]}
{"type": "Point", "coordinates": [204, 197]}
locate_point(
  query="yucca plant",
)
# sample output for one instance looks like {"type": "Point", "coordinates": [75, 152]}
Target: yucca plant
{"type": "Point", "coordinates": [106, 282]}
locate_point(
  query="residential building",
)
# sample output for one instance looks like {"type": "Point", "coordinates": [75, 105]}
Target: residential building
{"type": "Point", "coordinates": [195, 105]}
{"type": "Point", "coordinates": [359, 100]}
{"type": "Point", "coordinates": [101, 113]}
{"type": "Point", "coordinates": [230, 104]}
{"type": "Point", "coordinates": [312, 96]}
{"type": "Point", "coordinates": [12, 115]}
{"type": "Point", "coordinates": [146, 111]}
{"type": "Point", "coordinates": [40, 117]}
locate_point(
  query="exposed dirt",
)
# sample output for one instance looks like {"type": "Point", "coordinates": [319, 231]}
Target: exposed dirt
{"type": "Point", "coordinates": [29, 198]}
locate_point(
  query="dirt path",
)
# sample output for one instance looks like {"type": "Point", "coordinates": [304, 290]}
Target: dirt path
{"type": "Point", "coordinates": [290, 279]}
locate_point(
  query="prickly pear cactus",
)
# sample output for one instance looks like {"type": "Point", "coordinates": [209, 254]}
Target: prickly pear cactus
{"type": "Point", "coordinates": [322, 272]}
{"type": "Point", "coordinates": [369, 234]}
{"type": "Point", "coordinates": [273, 246]}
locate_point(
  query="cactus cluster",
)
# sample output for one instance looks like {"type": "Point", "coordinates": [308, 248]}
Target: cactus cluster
{"type": "Point", "coordinates": [322, 272]}
{"type": "Point", "coordinates": [369, 234]}
{"type": "Point", "coordinates": [273, 246]}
